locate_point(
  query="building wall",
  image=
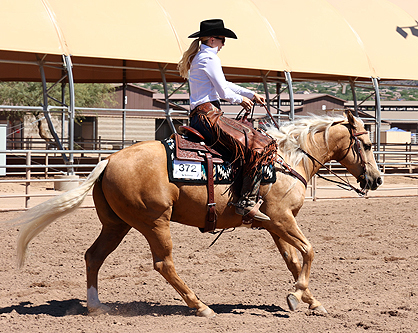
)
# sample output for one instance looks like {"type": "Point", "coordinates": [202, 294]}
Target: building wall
{"type": "Point", "coordinates": [315, 106]}
{"type": "Point", "coordinates": [136, 98]}
{"type": "Point", "coordinates": [137, 129]}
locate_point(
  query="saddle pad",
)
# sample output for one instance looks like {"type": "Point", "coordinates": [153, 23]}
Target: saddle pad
{"type": "Point", "coordinates": [222, 172]}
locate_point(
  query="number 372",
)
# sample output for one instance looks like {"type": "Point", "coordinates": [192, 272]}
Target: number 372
{"type": "Point", "coordinates": [187, 168]}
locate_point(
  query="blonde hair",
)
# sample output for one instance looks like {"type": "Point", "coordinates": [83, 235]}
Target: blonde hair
{"type": "Point", "coordinates": [188, 56]}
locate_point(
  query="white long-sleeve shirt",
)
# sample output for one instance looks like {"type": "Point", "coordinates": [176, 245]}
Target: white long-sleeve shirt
{"type": "Point", "coordinates": [207, 80]}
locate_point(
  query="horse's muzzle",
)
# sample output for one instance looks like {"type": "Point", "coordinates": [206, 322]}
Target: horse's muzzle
{"type": "Point", "coordinates": [368, 183]}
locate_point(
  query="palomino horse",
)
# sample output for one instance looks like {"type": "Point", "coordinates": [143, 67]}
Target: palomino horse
{"type": "Point", "coordinates": [132, 190]}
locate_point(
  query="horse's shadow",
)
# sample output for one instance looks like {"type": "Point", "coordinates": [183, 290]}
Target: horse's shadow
{"type": "Point", "coordinates": [52, 308]}
{"type": "Point", "coordinates": [77, 307]}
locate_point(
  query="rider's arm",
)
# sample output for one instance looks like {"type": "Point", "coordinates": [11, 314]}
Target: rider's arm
{"type": "Point", "coordinates": [225, 90]}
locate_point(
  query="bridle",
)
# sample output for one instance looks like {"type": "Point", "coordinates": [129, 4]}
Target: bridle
{"type": "Point", "coordinates": [354, 143]}
{"type": "Point", "coordinates": [356, 146]}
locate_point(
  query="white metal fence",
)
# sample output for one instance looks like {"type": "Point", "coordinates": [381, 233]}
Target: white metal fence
{"type": "Point", "coordinates": [30, 174]}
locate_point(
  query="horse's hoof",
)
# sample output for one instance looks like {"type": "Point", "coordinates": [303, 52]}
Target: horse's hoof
{"type": "Point", "coordinates": [319, 310]}
{"type": "Point", "coordinates": [292, 302]}
{"type": "Point", "coordinates": [207, 313]}
{"type": "Point", "coordinates": [101, 309]}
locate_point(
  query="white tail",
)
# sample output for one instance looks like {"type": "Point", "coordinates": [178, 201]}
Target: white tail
{"type": "Point", "coordinates": [36, 219]}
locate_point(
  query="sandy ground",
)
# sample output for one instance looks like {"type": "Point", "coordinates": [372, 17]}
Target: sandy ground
{"type": "Point", "coordinates": [365, 273]}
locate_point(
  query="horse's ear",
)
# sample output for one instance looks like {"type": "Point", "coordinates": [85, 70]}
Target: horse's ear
{"type": "Point", "coordinates": [351, 119]}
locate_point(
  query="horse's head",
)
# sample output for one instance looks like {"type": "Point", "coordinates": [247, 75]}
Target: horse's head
{"type": "Point", "coordinates": [356, 154]}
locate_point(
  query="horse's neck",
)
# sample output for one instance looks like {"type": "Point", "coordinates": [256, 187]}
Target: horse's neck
{"type": "Point", "coordinates": [321, 152]}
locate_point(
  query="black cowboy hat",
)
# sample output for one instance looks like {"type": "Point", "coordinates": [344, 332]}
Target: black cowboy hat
{"type": "Point", "coordinates": [213, 27]}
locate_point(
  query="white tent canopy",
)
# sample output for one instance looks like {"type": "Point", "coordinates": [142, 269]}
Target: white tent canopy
{"type": "Point", "coordinates": [324, 39]}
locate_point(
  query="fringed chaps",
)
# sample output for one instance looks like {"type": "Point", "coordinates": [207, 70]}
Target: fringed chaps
{"type": "Point", "coordinates": [250, 148]}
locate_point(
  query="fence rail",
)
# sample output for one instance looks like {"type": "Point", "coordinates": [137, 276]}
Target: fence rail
{"type": "Point", "coordinates": [46, 172]}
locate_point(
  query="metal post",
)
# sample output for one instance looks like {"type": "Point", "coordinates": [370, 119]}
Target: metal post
{"type": "Point", "coordinates": [71, 110]}
{"type": "Point", "coordinates": [167, 102]}
{"type": "Point", "coordinates": [124, 106]}
{"type": "Point", "coordinates": [266, 91]}
{"type": "Point", "coordinates": [100, 148]}
{"type": "Point", "coordinates": [378, 109]}
{"type": "Point", "coordinates": [46, 164]}
{"type": "Point", "coordinates": [279, 100]}
{"type": "Point", "coordinates": [63, 114]}
{"type": "Point", "coordinates": [291, 98]}
{"type": "Point", "coordinates": [353, 91]}
{"type": "Point", "coordinates": [46, 110]}
{"type": "Point", "coordinates": [27, 186]}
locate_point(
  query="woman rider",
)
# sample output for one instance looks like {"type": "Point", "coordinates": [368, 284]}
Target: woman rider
{"type": "Point", "coordinates": [202, 66]}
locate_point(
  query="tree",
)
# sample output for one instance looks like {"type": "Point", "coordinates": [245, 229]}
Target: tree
{"type": "Point", "coordinates": [30, 94]}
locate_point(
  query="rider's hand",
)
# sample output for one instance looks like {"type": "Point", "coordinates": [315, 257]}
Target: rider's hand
{"type": "Point", "coordinates": [246, 103]}
{"type": "Point", "coordinates": [259, 99]}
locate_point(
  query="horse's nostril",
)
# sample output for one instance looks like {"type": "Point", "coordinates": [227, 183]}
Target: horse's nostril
{"type": "Point", "coordinates": [379, 181]}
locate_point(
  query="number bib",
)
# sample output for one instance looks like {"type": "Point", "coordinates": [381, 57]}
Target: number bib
{"type": "Point", "coordinates": [187, 170]}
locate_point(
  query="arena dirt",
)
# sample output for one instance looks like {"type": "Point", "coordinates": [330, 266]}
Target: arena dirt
{"type": "Point", "coordinates": [365, 274]}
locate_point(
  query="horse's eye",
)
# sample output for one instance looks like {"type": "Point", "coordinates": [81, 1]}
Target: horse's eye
{"type": "Point", "coordinates": [367, 146]}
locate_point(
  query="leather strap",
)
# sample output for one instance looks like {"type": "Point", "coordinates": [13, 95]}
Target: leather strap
{"type": "Point", "coordinates": [291, 171]}
{"type": "Point", "coordinates": [211, 217]}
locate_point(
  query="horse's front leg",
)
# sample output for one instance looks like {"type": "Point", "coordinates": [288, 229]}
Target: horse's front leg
{"type": "Point", "coordinates": [286, 228]}
{"type": "Point", "coordinates": [291, 259]}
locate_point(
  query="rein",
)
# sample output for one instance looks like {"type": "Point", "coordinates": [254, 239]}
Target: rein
{"type": "Point", "coordinates": [344, 184]}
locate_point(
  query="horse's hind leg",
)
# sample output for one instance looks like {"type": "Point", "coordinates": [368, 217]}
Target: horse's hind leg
{"type": "Point", "coordinates": [159, 239]}
{"type": "Point", "coordinates": [113, 231]}
{"type": "Point", "coordinates": [291, 259]}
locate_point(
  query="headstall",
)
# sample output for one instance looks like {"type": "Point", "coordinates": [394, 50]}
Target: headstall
{"type": "Point", "coordinates": [355, 144]}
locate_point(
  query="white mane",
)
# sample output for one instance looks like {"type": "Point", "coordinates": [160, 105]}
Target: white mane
{"type": "Point", "coordinates": [293, 136]}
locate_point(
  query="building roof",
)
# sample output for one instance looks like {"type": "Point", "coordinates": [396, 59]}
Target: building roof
{"type": "Point", "coordinates": [132, 86]}
{"type": "Point", "coordinates": [307, 97]}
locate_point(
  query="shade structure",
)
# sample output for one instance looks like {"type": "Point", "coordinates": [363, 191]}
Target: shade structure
{"type": "Point", "coordinates": [380, 25]}
{"type": "Point", "coordinates": [133, 40]}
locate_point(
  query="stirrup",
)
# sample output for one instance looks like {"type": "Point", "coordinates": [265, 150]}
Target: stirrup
{"type": "Point", "coordinates": [250, 213]}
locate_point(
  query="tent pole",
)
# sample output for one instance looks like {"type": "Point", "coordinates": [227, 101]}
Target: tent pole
{"type": "Point", "coordinates": [71, 109]}
{"type": "Point", "coordinates": [278, 91]}
{"type": "Point", "coordinates": [46, 110]}
{"type": "Point", "coordinates": [378, 109]}
{"type": "Point", "coordinates": [266, 91]}
{"type": "Point", "coordinates": [353, 91]}
{"type": "Point", "coordinates": [291, 98]}
{"type": "Point", "coordinates": [167, 103]}
{"type": "Point", "coordinates": [63, 114]}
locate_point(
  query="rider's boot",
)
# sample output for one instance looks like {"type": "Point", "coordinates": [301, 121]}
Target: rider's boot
{"type": "Point", "coordinates": [248, 200]}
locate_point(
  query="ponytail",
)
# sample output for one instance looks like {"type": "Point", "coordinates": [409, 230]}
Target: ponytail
{"type": "Point", "coordinates": [188, 56]}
